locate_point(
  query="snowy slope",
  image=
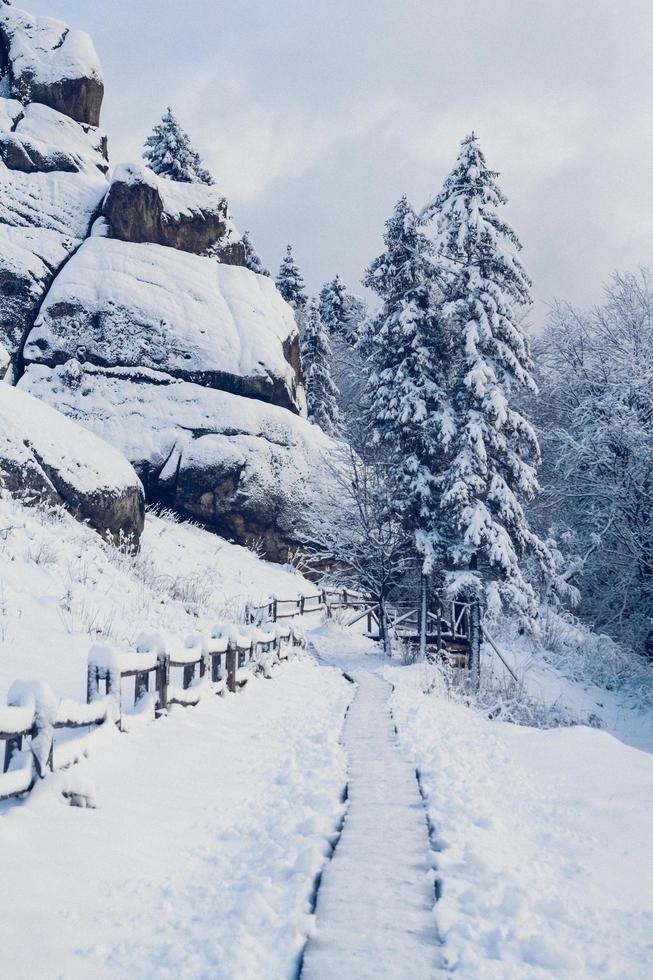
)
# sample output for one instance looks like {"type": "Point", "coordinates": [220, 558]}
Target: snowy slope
{"type": "Point", "coordinates": [62, 588]}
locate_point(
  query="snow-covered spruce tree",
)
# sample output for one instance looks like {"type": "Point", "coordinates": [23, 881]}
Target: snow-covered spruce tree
{"type": "Point", "coordinates": [334, 307]}
{"type": "Point", "coordinates": [321, 392]}
{"type": "Point", "coordinates": [290, 283]}
{"type": "Point", "coordinates": [253, 260]}
{"type": "Point", "coordinates": [168, 152]}
{"type": "Point", "coordinates": [406, 394]}
{"type": "Point", "coordinates": [488, 471]}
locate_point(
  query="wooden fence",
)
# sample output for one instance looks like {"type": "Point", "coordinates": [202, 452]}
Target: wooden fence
{"type": "Point", "coordinates": [29, 723]}
{"type": "Point", "coordinates": [167, 672]}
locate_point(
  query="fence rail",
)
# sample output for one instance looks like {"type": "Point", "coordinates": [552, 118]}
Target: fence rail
{"type": "Point", "coordinates": [222, 662]}
{"type": "Point", "coordinates": [166, 671]}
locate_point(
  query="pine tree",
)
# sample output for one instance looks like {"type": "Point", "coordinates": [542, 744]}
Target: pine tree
{"type": "Point", "coordinates": [406, 394]}
{"type": "Point", "coordinates": [253, 260]}
{"type": "Point", "coordinates": [168, 152]}
{"type": "Point", "coordinates": [333, 307]}
{"type": "Point", "coordinates": [489, 469]}
{"type": "Point", "coordinates": [321, 392]}
{"type": "Point", "coordinates": [290, 283]}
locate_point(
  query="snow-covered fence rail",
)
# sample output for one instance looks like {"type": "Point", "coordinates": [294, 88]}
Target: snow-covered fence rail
{"type": "Point", "coordinates": [164, 670]}
{"type": "Point", "coordinates": [326, 600]}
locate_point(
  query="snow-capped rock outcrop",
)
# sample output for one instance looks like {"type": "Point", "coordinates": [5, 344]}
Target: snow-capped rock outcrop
{"type": "Point", "coordinates": [145, 306]}
{"type": "Point", "coordinates": [47, 62]}
{"type": "Point", "coordinates": [52, 166]}
{"type": "Point", "coordinates": [143, 208]}
{"type": "Point", "coordinates": [252, 471]}
{"type": "Point", "coordinates": [47, 458]}
{"type": "Point", "coordinates": [127, 306]}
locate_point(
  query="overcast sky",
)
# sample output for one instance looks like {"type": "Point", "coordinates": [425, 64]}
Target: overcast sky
{"type": "Point", "coordinates": [316, 115]}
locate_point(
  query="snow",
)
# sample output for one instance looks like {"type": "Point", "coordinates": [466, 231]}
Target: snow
{"type": "Point", "coordinates": [63, 590]}
{"type": "Point", "coordinates": [151, 418]}
{"type": "Point", "coordinates": [159, 308]}
{"type": "Point", "coordinates": [32, 430]}
{"type": "Point", "coordinates": [375, 903]}
{"type": "Point", "coordinates": [60, 202]}
{"type": "Point", "coordinates": [179, 199]}
{"type": "Point", "coordinates": [60, 133]}
{"type": "Point", "coordinates": [544, 838]}
{"type": "Point", "coordinates": [46, 50]}
{"type": "Point", "coordinates": [200, 858]}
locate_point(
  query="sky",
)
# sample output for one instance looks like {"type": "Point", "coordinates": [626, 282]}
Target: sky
{"type": "Point", "coordinates": [315, 117]}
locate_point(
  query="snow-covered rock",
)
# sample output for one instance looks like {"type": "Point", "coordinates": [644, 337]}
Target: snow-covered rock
{"type": "Point", "coordinates": [192, 217]}
{"type": "Point", "coordinates": [252, 471]}
{"type": "Point", "coordinates": [118, 304]}
{"type": "Point", "coordinates": [52, 170]}
{"type": "Point", "coordinates": [47, 458]}
{"type": "Point", "coordinates": [45, 61]}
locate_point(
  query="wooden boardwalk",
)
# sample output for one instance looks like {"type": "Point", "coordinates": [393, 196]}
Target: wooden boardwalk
{"type": "Point", "coordinates": [374, 915]}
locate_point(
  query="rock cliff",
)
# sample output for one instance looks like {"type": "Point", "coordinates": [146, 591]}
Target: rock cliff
{"type": "Point", "coordinates": [127, 306]}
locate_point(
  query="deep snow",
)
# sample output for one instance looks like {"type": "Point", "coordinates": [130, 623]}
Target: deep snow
{"type": "Point", "coordinates": [200, 858]}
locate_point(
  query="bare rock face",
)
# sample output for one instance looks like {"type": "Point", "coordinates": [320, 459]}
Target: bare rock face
{"type": "Point", "coordinates": [143, 208]}
{"type": "Point", "coordinates": [47, 62]}
{"type": "Point", "coordinates": [252, 472]}
{"type": "Point", "coordinates": [47, 459]}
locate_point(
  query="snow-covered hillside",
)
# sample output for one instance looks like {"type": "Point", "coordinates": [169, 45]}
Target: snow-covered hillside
{"type": "Point", "coordinates": [62, 588]}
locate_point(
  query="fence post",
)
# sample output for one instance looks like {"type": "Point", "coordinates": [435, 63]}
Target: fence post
{"type": "Point", "coordinates": [274, 609]}
{"type": "Point", "coordinates": [302, 603]}
{"type": "Point", "coordinates": [344, 598]}
{"type": "Point", "coordinates": [216, 668]}
{"type": "Point", "coordinates": [475, 644]}
{"type": "Point", "coordinates": [232, 654]}
{"type": "Point", "coordinates": [189, 675]}
{"type": "Point", "coordinates": [423, 615]}
{"type": "Point", "coordinates": [14, 744]}
{"type": "Point", "coordinates": [142, 685]}
{"type": "Point", "coordinates": [162, 674]}
{"type": "Point", "coordinates": [91, 683]}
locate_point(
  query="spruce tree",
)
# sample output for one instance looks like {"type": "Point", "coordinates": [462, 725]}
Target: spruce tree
{"type": "Point", "coordinates": [406, 393]}
{"type": "Point", "coordinates": [168, 152]}
{"type": "Point", "coordinates": [290, 283]}
{"type": "Point", "coordinates": [321, 391]}
{"type": "Point", "coordinates": [253, 260]}
{"type": "Point", "coordinates": [489, 467]}
{"type": "Point", "coordinates": [333, 307]}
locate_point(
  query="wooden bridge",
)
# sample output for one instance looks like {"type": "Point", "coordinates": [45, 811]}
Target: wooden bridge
{"type": "Point", "coordinates": [449, 632]}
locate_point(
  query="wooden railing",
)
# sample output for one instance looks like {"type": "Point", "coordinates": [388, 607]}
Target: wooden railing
{"type": "Point", "coordinates": [164, 672]}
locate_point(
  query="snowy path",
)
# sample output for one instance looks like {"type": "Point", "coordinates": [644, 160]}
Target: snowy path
{"type": "Point", "coordinates": [374, 915]}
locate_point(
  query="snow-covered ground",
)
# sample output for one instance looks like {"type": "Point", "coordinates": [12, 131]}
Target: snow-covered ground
{"type": "Point", "coordinates": [546, 861]}
{"type": "Point", "coordinates": [200, 858]}
{"type": "Point", "coordinates": [211, 824]}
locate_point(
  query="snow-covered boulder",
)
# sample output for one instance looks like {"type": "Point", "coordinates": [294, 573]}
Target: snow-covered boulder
{"type": "Point", "coordinates": [44, 61]}
{"type": "Point", "coordinates": [254, 472]}
{"type": "Point", "coordinates": [47, 458]}
{"type": "Point", "coordinates": [116, 304]}
{"type": "Point", "coordinates": [192, 217]}
{"type": "Point", "coordinates": [52, 172]}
